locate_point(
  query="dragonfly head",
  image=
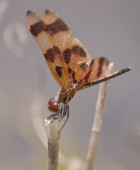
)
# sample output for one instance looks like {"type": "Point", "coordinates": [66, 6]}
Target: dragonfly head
{"type": "Point", "coordinates": [54, 105]}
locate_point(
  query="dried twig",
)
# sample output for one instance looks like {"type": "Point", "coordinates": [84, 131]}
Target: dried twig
{"type": "Point", "coordinates": [97, 123]}
{"type": "Point", "coordinates": [53, 145]}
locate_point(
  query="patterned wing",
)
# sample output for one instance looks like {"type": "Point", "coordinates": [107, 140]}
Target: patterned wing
{"type": "Point", "coordinates": [64, 54]}
{"type": "Point", "coordinates": [95, 70]}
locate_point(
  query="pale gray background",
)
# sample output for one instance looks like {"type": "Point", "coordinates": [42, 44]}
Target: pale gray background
{"type": "Point", "coordinates": [106, 28]}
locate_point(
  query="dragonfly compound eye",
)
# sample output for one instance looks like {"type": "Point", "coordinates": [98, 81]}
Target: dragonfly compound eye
{"type": "Point", "coordinates": [54, 105]}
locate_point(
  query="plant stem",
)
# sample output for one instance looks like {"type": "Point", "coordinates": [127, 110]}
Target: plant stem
{"type": "Point", "coordinates": [53, 145]}
{"type": "Point", "coordinates": [97, 123]}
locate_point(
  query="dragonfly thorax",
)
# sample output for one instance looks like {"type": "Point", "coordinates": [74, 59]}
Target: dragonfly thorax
{"type": "Point", "coordinates": [54, 105]}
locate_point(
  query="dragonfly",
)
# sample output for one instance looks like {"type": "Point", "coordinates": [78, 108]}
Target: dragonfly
{"type": "Point", "coordinates": [67, 59]}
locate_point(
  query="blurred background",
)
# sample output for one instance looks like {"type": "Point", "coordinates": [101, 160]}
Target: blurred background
{"type": "Point", "coordinates": [106, 28]}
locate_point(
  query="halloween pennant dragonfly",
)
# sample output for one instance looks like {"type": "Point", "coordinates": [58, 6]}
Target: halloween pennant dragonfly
{"type": "Point", "coordinates": [67, 59]}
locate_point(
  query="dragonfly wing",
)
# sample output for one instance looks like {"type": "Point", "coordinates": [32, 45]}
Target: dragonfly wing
{"type": "Point", "coordinates": [64, 54]}
{"type": "Point", "coordinates": [37, 29]}
{"type": "Point", "coordinates": [95, 70]}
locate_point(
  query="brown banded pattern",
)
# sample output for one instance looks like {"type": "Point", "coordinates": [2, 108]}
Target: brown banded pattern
{"type": "Point", "coordinates": [77, 50]}
{"type": "Point", "coordinates": [67, 55]}
{"type": "Point", "coordinates": [56, 27]}
{"type": "Point", "coordinates": [51, 53]}
{"type": "Point", "coordinates": [59, 46]}
{"type": "Point", "coordinates": [35, 24]}
{"type": "Point", "coordinates": [84, 66]}
{"type": "Point", "coordinates": [94, 71]}
{"type": "Point", "coordinates": [102, 61]}
{"type": "Point", "coordinates": [59, 70]}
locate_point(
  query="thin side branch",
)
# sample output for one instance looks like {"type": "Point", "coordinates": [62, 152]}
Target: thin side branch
{"type": "Point", "coordinates": [97, 123]}
{"type": "Point", "coordinates": [53, 145]}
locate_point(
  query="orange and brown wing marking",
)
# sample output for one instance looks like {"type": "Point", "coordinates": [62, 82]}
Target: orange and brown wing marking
{"type": "Point", "coordinates": [65, 55]}
{"type": "Point", "coordinates": [74, 55]}
{"type": "Point", "coordinates": [95, 70]}
{"type": "Point", "coordinates": [51, 52]}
